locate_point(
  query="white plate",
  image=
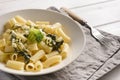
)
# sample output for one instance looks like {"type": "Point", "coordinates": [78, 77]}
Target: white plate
{"type": "Point", "coordinates": [72, 29]}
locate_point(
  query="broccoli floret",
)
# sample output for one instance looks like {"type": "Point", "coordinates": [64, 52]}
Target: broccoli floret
{"type": "Point", "coordinates": [35, 35]}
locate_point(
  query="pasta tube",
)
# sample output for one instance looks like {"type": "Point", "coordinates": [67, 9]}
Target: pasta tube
{"type": "Point", "coordinates": [15, 65]}
{"type": "Point", "coordinates": [52, 61]}
{"type": "Point", "coordinates": [52, 54]}
{"type": "Point", "coordinates": [42, 22]}
{"type": "Point", "coordinates": [37, 56]}
{"type": "Point", "coordinates": [20, 19]}
{"type": "Point", "coordinates": [48, 29]}
{"type": "Point", "coordinates": [30, 23]}
{"type": "Point", "coordinates": [30, 67]}
{"type": "Point", "coordinates": [43, 58]}
{"type": "Point", "coordinates": [45, 47]}
{"type": "Point", "coordinates": [61, 33]}
{"type": "Point", "coordinates": [2, 57]}
{"type": "Point", "coordinates": [65, 50]}
{"type": "Point", "coordinates": [38, 66]}
{"type": "Point", "coordinates": [9, 49]}
{"type": "Point", "coordinates": [33, 47]}
{"type": "Point", "coordinates": [10, 23]}
{"type": "Point", "coordinates": [14, 57]}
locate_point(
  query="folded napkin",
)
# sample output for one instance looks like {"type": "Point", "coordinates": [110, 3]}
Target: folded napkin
{"type": "Point", "coordinates": [95, 61]}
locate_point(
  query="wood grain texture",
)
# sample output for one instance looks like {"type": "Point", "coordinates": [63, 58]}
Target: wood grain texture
{"type": "Point", "coordinates": [22, 4]}
{"type": "Point", "coordinates": [100, 13]}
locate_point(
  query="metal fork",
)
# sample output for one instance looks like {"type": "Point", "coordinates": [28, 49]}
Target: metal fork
{"type": "Point", "coordinates": [94, 32]}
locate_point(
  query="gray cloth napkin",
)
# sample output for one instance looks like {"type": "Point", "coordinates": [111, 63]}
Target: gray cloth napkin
{"type": "Point", "coordinates": [95, 61]}
{"type": "Point", "coordinates": [108, 66]}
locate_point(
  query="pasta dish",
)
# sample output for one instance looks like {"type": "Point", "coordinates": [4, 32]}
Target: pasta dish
{"type": "Point", "coordinates": [32, 46]}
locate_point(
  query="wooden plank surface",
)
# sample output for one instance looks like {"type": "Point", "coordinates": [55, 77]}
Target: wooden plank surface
{"type": "Point", "coordinates": [70, 3]}
{"type": "Point", "coordinates": [100, 14]}
{"type": "Point", "coordinates": [11, 5]}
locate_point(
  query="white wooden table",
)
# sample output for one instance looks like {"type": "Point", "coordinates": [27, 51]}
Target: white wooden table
{"type": "Point", "coordinates": [101, 14]}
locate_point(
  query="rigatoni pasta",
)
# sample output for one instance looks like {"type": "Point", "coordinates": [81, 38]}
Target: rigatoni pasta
{"type": "Point", "coordinates": [65, 50]}
{"type": "Point", "coordinates": [38, 66]}
{"type": "Point", "coordinates": [33, 46]}
{"type": "Point", "coordinates": [37, 56]}
{"type": "Point", "coordinates": [52, 61]}
{"type": "Point", "coordinates": [60, 32]}
{"type": "Point", "coordinates": [20, 20]}
{"type": "Point", "coordinates": [15, 65]}
{"type": "Point", "coordinates": [14, 57]}
{"type": "Point", "coordinates": [53, 53]}
{"type": "Point", "coordinates": [30, 67]}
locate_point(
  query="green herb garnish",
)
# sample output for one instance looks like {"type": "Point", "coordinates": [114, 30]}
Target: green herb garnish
{"type": "Point", "coordinates": [25, 55]}
{"type": "Point", "coordinates": [53, 43]}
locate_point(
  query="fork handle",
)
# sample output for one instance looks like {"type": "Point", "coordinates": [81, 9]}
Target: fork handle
{"type": "Point", "coordinates": [74, 16]}
{"type": "Point", "coordinates": [82, 22]}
